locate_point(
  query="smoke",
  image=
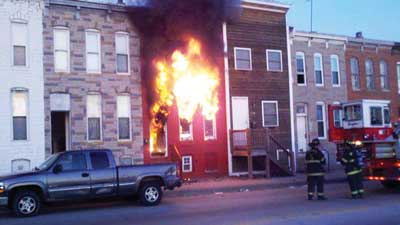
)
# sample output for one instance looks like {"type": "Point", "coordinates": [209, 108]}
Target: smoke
{"type": "Point", "coordinates": [165, 25]}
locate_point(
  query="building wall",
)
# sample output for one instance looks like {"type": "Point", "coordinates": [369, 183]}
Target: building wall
{"type": "Point", "coordinates": [29, 77]}
{"type": "Point", "coordinates": [375, 53]}
{"type": "Point", "coordinates": [261, 29]}
{"type": "Point", "coordinates": [77, 83]}
{"type": "Point", "coordinates": [310, 94]}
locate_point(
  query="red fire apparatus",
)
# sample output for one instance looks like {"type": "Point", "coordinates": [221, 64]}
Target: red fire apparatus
{"type": "Point", "coordinates": [367, 122]}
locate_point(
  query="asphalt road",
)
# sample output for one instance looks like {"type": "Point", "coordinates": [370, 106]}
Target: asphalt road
{"type": "Point", "coordinates": [277, 206]}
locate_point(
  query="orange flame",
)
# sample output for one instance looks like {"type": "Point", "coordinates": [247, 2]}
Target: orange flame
{"type": "Point", "coordinates": [190, 80]}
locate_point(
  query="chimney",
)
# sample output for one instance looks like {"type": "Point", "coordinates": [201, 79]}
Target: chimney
{"type": "Point", "coordinates": [359, 34]}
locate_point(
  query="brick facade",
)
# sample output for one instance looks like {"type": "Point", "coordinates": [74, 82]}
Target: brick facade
{"type": "Point", "coordinates": [309, 94]}
{"type": "Point", "coordinates": [77, 83]}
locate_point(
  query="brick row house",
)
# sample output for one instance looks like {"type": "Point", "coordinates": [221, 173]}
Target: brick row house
{"type": "Point", "coordinates": [92, 80]}
{"type": "Point", "coordinates": [319, 80]}
{"type": "Point", "coordinates": [21, 88]}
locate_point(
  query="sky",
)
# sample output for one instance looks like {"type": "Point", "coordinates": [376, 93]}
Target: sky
{"type": "Point", "coordinates": [377, 19]}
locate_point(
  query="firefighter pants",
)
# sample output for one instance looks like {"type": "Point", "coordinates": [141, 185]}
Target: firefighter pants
{"type": "Point", "coordinates": [315, 181]}
{"type": "Point", "coordinates": [356, 184]}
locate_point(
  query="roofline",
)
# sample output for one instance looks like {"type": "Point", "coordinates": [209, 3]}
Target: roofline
{"type": "Point", "coordinates": [320, 35]}
{"type": "Point", "coordinates": [275, 4]}
{"type": "Point", "coordinates": [370, 41]}
{"type": "Point", "coordinates": [90, 5]}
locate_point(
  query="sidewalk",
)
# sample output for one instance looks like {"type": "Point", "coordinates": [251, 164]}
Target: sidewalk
{"type": "Point", "coordinates": [243, 184]}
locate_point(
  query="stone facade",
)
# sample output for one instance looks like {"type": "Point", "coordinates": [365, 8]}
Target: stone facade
{"type": "Point", "coordinates": [107, 19]}
{"type": "Point", "coordinates": [309, 94]}
{"type": "Point", "coordinates": [21, 155]}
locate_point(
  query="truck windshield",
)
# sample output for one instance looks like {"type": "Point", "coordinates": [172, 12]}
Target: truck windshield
{"type": "Point", "coordinates": [48, 162]}
{"type": "Point", "coordinates": [353, 112]}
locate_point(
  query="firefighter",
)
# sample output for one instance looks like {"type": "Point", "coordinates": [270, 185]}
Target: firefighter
{"type": "Point", "coordinates": [315, 161]}
{"type": "Point", "coordinates": [352, 166]}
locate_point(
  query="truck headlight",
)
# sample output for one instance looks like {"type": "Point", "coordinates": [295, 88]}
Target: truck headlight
{"type": "Point", "coordinates": [2, 187]}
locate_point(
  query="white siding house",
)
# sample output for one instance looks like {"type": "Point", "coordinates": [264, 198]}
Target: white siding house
{"type": "Point", "coordinates": [21, 86]}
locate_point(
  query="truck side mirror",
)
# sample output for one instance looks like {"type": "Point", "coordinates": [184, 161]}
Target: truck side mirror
{"type": "Point", "coordinates": [57, 169]}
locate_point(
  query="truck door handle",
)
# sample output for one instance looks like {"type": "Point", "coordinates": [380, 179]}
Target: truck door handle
{"type": "Point", "coordinates": [85, 174]}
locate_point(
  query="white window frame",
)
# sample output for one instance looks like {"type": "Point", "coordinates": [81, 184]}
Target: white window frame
{"type": "Point", "coordinates": [98, 50]}
{"type": "Point", "coordinates": [251, 61]}
{"type": "Point", "coordinates": [386, 74]}
{"type": "Point", "coordinates": [358, 74]}
{"type": "Point", "coordinates": [125, 34]}
{"type": "Point", "coordinates": [319, 55]}
{"type": "Point", "coordinates": [277, 113]}
{"type": "Point", "coordinates": [27, 114]}
{"type": "Point", "coordinates": [189, 157]}
{"type": "Point", "coordinates": [214, 137]}
{"type": "Point", "coordinates": [372, 75]}
{"type": "Point", "coordinates": [336, 57]}
{"type": "Point", "coordinates": [18, 21]}
{"type": "Point", "coordinates": [186, 137]}
{"type": "Point", "coordinates": [101, 118]}
{"type": "Point", "coordinates": [280, 54]}
{"type": "Point", "coordinates": [323, 118]}
{"type": "Point", "coordinates": [398, 76]}
{"type": "Point", "coordinates": [304, 68]}
{"type": "Point", "coordinates": [55, 29]}
{"type": "Point", "coordinates": [129, 117]}
{"type": "Point", "coordinates": [382, 116]}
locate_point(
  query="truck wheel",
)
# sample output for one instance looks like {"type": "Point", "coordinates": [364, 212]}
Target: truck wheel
{"type": "Point", "coordinates": [390, 184]}
{"type": "Point", "coordinates": [150, 194]}
{"type": "Point", "coordinates": [26, 203]}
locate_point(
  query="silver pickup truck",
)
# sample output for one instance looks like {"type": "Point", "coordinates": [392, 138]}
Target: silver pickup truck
{"type": "Point", "coordinates": [81, 175]}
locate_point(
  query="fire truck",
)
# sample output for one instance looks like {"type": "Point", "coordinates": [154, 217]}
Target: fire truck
{"type": "Point", "coordinates": [367, 123]}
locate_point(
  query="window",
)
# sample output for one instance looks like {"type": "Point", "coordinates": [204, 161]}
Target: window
{"type": "Point", "coordinates": [355, 74]}
{"type": "Point", "coordinates": [94, 117]}
{"type": "Point", "coordinates": [337, 118]}
{"type": "Point", "coordinates": [353, 112]}
{"type": "Point", "coordinates": [210, 132]}
{"type": "Point", "coordinates": [300, 68]}
{"type": "Point", "coordinates": [318, 70]}
{"type": "Point", "coordinates": [19, 31]}
{"type": "Point", "coordinates": [270, 113]}
{"type": "Point", "coordinates": [99, 160]}
{"type": "Point", "coordinates": [386, 116]}
{"type": "Point", "coordinates": [274, 60]}
{"type": "Point", "coordinates": [187, 164]}
{"type": "Point", "coordinates": [93, 56]}
{"type": "Point", "coordinates": [335, 71]}
{"type": "Point", "coordinates": [124, 117]}
{"type": "Point", "coordinates": [72, 162]}
{"type": "Point", "coordinates": [321, 120]}
{"type": "Point", "coordinates": [122, 51]}
{"type": "Point", "coordinates": [369, 71]}
{"type": "Point", "coordinates": [398, 77]}
{"type": "Point", "coordinates": [384, 75]}
{"type": "Point", "coordinates": [185, 130]}
{"type": "Point", "coordinates": [376, 115]}
{"type": "Point", "coordinates": [243, 59]}
{"type": "Point", "coordinates": [19, 113]}
{"type": "Point", "coordinates": [61, 49]}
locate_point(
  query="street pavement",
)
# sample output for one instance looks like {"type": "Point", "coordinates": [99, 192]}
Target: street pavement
{"type": "Point", "coordinates": [286, 205]}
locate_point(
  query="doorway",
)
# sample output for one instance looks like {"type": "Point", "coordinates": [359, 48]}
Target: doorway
{"type": "Point", "coordinates": [59, 131]}
{"type": "Point", "coordinates": [240, 113]}
{"type": "Point", "coordinates": [301, 125]}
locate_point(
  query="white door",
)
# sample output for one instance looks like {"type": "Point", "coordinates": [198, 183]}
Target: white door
{"type": "Point", "coordinates": [240, 113]}
{"type": "Point", "coordinates": [301, 133]}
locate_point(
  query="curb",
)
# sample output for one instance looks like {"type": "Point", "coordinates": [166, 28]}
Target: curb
{"type": "Point", "coordinates": [258, 187]}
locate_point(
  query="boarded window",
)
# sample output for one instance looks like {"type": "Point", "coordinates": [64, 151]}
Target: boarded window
{"type": "Point", "coordinates": [270, 113]}
{"type": "Point", "coordinates": [300, 68]}
{"type": "Point", "coordinates": [94, 117]}
{"type": "Point", "coordinates": [19, 109]}
{"type": "Point", "coordinates": [243, 59]}
{"type": "Point", "coordinates": [122, 51]}
{"type": "Point", "coordinates": [319, 79]}
{"type": "Point", "coordinates": [93, 61]}
{"type": "Point", "coordinates": [124, 115]}
{"type": "Point", "coordinates": [274, 60]}
{"type": "Point", "coordinates": [335, 70]}
{"type": "Point", "coordinates": [61, 49]}
{"type": "Point", "coordinates": [19, 43]}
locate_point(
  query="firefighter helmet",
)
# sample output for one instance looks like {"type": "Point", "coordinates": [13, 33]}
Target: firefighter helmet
{"type": "Point", "coordinates": [315, 142]}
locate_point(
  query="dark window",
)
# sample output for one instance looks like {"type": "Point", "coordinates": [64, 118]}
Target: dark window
{"type": "Point", "coordinates": [99, 160]}
{"type": "Point", "coordinates": [19, 128]}
{"type": "Point", "coordinates": [123, 128]}
{"type": "Point", "coordinates": [386, 113]}
{"type": "Point", "coordinates": [94, 129]}
{"type": "Point", "coordinates": [72, 161]}
{"type": "Point", "coordinates": [376, 115]}
{"type": "Point", "coordinates": [300, 68]}
{"type": "Point", "coordinates": [122, 63]}
{"type": "Point", "coordinates": [19, 56]}
{"type": "Point", "coordinates": [337, 120]}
